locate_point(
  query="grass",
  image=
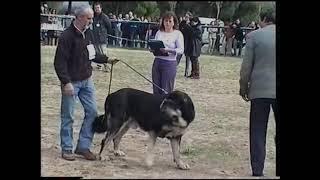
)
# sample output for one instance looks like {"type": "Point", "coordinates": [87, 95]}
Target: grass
{"type": "Point", "coordinates": [219, 134]}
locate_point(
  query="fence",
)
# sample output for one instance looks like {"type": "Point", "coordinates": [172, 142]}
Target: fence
{"type": "Point", "coordinates": [53, 25]}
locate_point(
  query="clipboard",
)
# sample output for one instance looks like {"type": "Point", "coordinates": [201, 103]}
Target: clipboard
{"type": "Point", "coordinates": [156, 45]}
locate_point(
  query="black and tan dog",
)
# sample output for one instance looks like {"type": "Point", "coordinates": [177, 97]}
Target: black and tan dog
{"type": "Point", "coordinates": [165, 116]}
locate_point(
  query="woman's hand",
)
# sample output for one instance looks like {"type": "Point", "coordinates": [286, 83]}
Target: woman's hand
{"type": "Point", "coordinates": [164, 50]}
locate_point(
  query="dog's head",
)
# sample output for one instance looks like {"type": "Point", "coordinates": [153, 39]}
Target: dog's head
{"type": "Point", "coordinates": [99, 124]}
{"type": "Point", "coordinates": [178, 109]}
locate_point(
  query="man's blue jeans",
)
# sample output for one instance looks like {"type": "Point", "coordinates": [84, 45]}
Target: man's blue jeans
{"type": "Point", "coordinates": [86, 92]}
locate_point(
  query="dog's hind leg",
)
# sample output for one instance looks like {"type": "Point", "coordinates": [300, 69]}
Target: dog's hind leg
{"type": "Point", "coordinates": [151, 142]}
{"type": "Point", "coordinates": [175, 145]}
{"type": "Point", "coordinates": [113, 131]}
{"type": "Point", "coordinates": [117, 139]}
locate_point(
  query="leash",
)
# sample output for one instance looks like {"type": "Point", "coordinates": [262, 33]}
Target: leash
{"type": "Point", "coordinates": [134, 71]}
{"type": "Point", "coordinates": [110, 78]}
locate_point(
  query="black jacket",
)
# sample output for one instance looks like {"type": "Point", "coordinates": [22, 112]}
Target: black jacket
{"type": "Point", "coordinates": [71, 61]}
{"type": "Point", "coordinates": [186, 31]}
{"type": "Point", "coordinates": [195, 45]}
{"type": "Point", "coordinates": [101, 27]}
{"type": "Point", "coordinates": [239, 33]}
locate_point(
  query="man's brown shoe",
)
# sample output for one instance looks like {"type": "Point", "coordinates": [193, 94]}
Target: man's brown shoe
{"type": "Point", "coordinates": [68, 155]}
{"type": "Point", "coordinates": [87, 154]}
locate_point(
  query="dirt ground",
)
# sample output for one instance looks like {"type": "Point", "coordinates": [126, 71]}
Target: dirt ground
{"type": "Point", "coordinates": [215, 145]}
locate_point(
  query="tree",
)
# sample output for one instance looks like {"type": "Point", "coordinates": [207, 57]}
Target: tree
{"type": "Point", "coordinates": [217, 5]}
{"type": "Point", "coordinates": [69, 7]}
{"type": "Point", "coordinates": [147, 8]}
{"type": "Point", "coordinates": [228, 9]}
{"type": "Point", "coordinates": [140, 10]}
{"type": "Point", "coordinates": [247, 12]}
{"type": "Point", "coordinates": [172, 5]}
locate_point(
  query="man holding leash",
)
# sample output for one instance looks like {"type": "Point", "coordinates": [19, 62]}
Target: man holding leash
{"type": "Point", "coordinates": [72, 62]}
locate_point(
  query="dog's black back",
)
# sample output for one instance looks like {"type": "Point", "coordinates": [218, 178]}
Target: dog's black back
{"type": "Point", "coordinates": [144, 108]}
{"type": "Point", "coordinates": [123, 103]}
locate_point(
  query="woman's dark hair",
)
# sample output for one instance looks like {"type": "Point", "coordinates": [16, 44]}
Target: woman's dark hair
{"type": "Point", "coordinates": [97, 4]}
{"type": "Point", "coordinates": [196, 20]}
{"type": "Point", "coordinates": [168, 15]}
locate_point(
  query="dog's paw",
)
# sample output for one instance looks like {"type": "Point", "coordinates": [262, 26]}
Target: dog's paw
{"type": "Point", "coordinates": [183, 166]}
{"type": "Point", "coordinates": [119, 153]}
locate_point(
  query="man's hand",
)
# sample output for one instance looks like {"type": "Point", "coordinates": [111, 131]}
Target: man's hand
{"type": "Point", "coordinates": [244, 92]}
{"type": "Point", "coordinates": [68, 89]}
{"type": "Point", "coordinates": [113, 60]}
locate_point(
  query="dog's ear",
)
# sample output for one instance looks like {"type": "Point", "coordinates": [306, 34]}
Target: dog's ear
{"type": "Point", "coordinates": [184, 103]}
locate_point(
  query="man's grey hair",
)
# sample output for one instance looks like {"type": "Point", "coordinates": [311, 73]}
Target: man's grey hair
{"type": "Point", "coordinates": [82, 9]}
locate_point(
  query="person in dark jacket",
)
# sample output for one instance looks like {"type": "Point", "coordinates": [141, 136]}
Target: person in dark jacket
{"type": "Point", "coordinates": [238, 38]}
{"type": "Point", "coordinates": [185, 28]}
{"type": "Point", "coordinates": [101, 27]}
{"type": "Point", "coordinates": [194, 47]}
{"type": "Point", "coordinates": [72, 63]}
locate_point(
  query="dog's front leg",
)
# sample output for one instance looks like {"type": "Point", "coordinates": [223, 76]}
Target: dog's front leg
{"type": "Point", "coordinates": [151, 142]}
{"type": "Point", "coordinates": [175, 145]}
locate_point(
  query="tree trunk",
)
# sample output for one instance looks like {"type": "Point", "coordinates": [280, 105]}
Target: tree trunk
{"type": "Point", "coordinates": [218, 4]}
{"type": "Point", "coordinates": [69, 8]}
{"type": "Point", "coordinates": [172, 5]}
{"type": "Point", "coordinates": [117, 8]}
{"type": "Point", "coordinates": [259, 7]}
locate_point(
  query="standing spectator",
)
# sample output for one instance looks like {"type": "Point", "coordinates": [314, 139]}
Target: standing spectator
{"type": "Point", "coordinates": [134, 31]}
{"type": "Point", "coordinates": [125, 31]}
{"type": "Point", "coordinates": [238, 38]}
{"type": "Point", "coordinates": [258, 85]}
{"type": "Point", "coordinates": [118, 32]}
{"type": "Point", "coordinates": [212, 35]}
{"type": "Point", "coordinates": [113, 20]}
{"type": "Point", "coordinates": [228, 39]}
{"type": "Point", "coordinates": [110, 15]}
{"type": "Point", "coordinates": [164, 68]}
{"type": "Point", "coordinates": [195, 47]}
{"type": "Point", "coordinates": [101, 25]}
{"type": "Point", "coordinates": [46, 10]}
{"type": "Point", "coordinates": [142, 29]}
{"type": "Point", "coordinates": [185, 28]}
{"type": "Point", "coordinates": [130, 15]}
{"type": "Point", "coordinates": [101, 28]}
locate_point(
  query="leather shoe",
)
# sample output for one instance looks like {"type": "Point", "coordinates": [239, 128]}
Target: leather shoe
{"type": "Point", "coordinates": [87, 154]}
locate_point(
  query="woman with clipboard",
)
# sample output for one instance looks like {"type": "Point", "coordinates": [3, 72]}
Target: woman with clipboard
{"type": "Point", "coordinates": [164, 67]}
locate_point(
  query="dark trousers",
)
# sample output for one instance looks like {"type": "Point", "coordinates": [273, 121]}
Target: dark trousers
{"type": "Point", "coordinates": [237, 44]}
{"type": "Point", "coordinates": [163, 75]}
{"type": "Point", "coordinates": [259, 115]}
{"type": "Point", "coordinates": [179, 56]}
{"type": "Point", "coordinates": [186, 71]}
